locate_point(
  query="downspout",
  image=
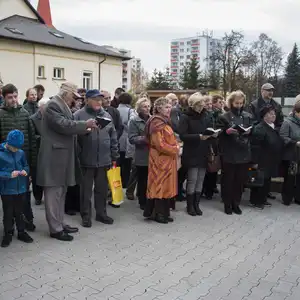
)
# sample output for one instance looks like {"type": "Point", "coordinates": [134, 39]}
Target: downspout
{"type": "Point", "coordinates": [99, 71]}
{"type": "Point", "coordinates": [34, 65]}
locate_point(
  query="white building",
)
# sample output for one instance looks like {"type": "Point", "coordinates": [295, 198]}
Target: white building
{"type": "Point", "coordinates": [33, 53]}
{"type": "Point", "coordinates": [183, 49]}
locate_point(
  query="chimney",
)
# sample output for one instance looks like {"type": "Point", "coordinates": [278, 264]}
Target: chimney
{"type": "Point", "coordinates": [44, 11]}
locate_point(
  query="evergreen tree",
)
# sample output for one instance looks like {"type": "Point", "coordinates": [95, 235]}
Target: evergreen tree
{"type": "Point", "coordinates": [185, 78]}
{"type": "Point", "coordinates": [159, 81]}
{"type": "Point", "coordinates": [292, 74]}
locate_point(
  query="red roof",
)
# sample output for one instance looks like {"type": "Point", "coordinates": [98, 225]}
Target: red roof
{"type": "Point", "coordinates": [44, 11]}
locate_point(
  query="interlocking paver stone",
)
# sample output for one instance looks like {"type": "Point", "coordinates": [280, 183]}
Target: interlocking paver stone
{"type": "Point", "coordinates": [212, 257]}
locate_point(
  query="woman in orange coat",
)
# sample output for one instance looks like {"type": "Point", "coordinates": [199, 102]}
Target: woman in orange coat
{"type": "Point", "coordinates": [162, 170]}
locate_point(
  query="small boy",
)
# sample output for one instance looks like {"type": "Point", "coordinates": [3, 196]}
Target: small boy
{"type": "Point", "coordinates": [13, 186]}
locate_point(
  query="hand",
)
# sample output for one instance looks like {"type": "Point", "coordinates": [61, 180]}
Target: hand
{"type": "Point", "coordinates": [23, 173]}
{"type": "Point", "coordinates": [298, 144]}
{"type": "Point", "coordinates": [15, 174]}
{"type": "Point", "coordinates": [255, 166]}
{"type": "Point", "coordinates": [204, 137]}
{"type": "Point", "coordinates": [231, 130]}
{"type": "Point", "coordinates": [114, 164]}
{"type": "Point", "coordinates": [91, 123]}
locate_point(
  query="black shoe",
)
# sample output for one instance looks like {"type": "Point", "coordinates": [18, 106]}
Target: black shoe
{"type": "Point", "coordinates": [196, 204]}
{"type": "Point", "coordinates": [270, 196]}
{"type": "Point", "coordinates": [130, 196]}
{"type": "Point", "coordinates": [257, 206]}
{"type": "Point", "coordinates": [142, 206]}
{"type": "Point", "coordinates": [104, 219]}
{"type": "Point", "coordinates": [237, 210]}
{"type": "Point", "coordinates": [216, 191]}
{"type": "Point", "coordinates": [286, 203]}
{"type": "Point", "coordinates": [7, 238]}
{"type": "Point", "coordinates": [62, 236]}
{"type": "Point", "coordinates": [25, 237]}
{"type": "Point", "coordinates": [190, 205]}
{"type": "Point", "coordinates": [38, 202]}
{"type": "Point", "coordinates": [267, 204]}
{"type": "Point", "coordinates": [161, 219]}
{"type": "Point", "coordinates": [69, 229]}
{"type": "Point", "coordinates": [29, 226]}
{"type": "Point", "coordinates": [113, 205]}
{"type": "Point", "coordinates": [86, 223]}
{"type": "Point", "coordinates": [228, 210]}
{"type": "Point", "coordinates": [170, 220]}
{"type": "Point", "coordinates": [71, 212]}
{"type": "Point", "coordinates": [297, 202]}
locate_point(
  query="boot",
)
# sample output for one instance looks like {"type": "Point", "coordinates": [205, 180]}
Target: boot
{"type": "Point", "coordinates": [236, 209]}
{"type": "Point", "coordinates": [228, 209]}
{"type": "Point", "coordinates": [7, 238]}
{"type": "Point", "coordinates": [196, 204]}
{"type": "Point", "coordinates": [190, 205]}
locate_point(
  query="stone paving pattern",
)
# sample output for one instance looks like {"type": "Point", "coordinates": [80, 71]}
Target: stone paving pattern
{"type": "Point", "coordinates": [250, 257]}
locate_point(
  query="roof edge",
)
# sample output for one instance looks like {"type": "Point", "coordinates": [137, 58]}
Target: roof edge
{"type": "Point", "coordinates": [34, 11]}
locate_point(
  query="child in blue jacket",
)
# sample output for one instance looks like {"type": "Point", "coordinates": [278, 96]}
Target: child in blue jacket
{"type": "Point", "coordinates": [13, 186]}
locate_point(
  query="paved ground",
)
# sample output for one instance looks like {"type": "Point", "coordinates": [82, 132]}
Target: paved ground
{"type": "Point", "coordinates": [251, 257]}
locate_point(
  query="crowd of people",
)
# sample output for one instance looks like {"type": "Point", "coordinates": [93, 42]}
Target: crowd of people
{"type": "Point", "coordinates": [170, 150]}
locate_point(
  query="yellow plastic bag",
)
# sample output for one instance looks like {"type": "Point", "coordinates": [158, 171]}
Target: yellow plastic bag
{"type": "Point", "coordinates": [115, 185]}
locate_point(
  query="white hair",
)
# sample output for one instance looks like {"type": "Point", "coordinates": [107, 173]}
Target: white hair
{"type": "Point", "coordinates": [43, 101]}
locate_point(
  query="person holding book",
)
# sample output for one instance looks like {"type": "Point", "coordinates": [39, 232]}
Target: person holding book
{"type": "Point", "coordinates": [194, 133]}
{"type": "Point", "coordinates": [235, 151]}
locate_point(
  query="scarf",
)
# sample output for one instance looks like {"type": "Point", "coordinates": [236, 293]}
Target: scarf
{"type": "Point", "coordinates": [155, 124]}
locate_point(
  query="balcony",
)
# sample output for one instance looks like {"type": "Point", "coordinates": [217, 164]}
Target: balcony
{"type": "Point", "coordinates": [195, 44]}
{"type": "Point", "coordinates": [174, 46]}
{"type": "Point", "coordinates": [174, 59]}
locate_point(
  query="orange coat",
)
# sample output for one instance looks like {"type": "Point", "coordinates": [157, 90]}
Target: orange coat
{"type": "Point", "coordinates": [162, 167]}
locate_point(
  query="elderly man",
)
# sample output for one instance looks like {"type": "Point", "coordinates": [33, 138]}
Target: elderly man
{"type": "Point", "coordinates": [58, 165]}
{"type": "Point", "coordinates": [99, 150]}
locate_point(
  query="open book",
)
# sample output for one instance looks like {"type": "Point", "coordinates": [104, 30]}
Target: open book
{"type": "Point", "coordinates": [241, 129]}
{"type": "Point", "coordinates": [102, 121]}
{"type": "Point", "coordinates": [211, 131]}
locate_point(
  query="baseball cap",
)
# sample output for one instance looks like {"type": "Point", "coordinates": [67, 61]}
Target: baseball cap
{"type": "Point", "coordinates": [70, 87]}
{"type": "Point", "coordinates": [93, 94]}
{"type": "Point", "coordinates": [267, 86]}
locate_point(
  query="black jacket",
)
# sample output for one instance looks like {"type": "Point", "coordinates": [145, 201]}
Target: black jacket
{"type": "Point", "coordinates": [267, 148]}
{"type": "Point", "coordinates": [234, 148]}
{"type": "Point", "coordinates": [257, 105]}
{"type": "Point", "coordinates": [115, 115]}
{"type": "Point", "coordinates": [191, 125]}
{"type": "Point", "coordinates": [31, 107]}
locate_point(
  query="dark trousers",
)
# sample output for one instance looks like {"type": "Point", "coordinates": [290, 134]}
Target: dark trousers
{"type": "Point", "coordinates": [36, 189]}
{"type": "Point", "coordinates": [132, 182]}
{"type": "Point", "coordinates": [182, 175]}
{"type": "Point", "coordinates": [233, 179]}
{"type": "Point", "coordinates": [27, 209]}
{"type": "Point", "coordinates": [72, 202]}
{"type": "Point", "coordinates": [12, 206]}
{"type": "Point", "coordinates": [291, 185]}
{"type": "Point", "coordinates": [98, 178]}
{"type": "Point", "coordinates": [125, 164]}
{"type": "Point", "coordinates": [162, 207]}
{"type": "Point", "coordinates": [209, 183]}
{"type": "Point", "coordinates": [142, 178]}
{"type": "Point", "coordinates": [258, 195]}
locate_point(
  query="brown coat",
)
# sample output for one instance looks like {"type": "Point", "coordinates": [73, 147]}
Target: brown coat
{"type": "Point", "coordinates": [162, 168]}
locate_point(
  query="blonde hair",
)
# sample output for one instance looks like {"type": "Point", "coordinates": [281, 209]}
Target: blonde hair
{"type": "Point", "coordinates": [235, 95]}
{"type": "Point", "coordinates": [159, 103]}
{"type": "Point", "coordinates": [207, 98]}
{"type": "Point", "coordinates": [196, 98]}
{"type": "Point", "coordinates": [297, 99]}
{"type": "Point", "coordinates": [143, 95]}
{"type": "Point", "coordinates": [140, 102]}
{"type": "Point", "coordinates": [43, 101]}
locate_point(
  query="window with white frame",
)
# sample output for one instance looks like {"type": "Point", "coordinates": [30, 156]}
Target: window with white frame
{"type": "Point", "coordinates": [87, 80]}
{"type": "Point", "coordinates": [41, 71]}
{"type": "Point", "coordinates": [59, 73]}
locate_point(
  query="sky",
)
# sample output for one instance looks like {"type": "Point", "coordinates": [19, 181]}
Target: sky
{"type": "Point", "coordinates": [147, 27]}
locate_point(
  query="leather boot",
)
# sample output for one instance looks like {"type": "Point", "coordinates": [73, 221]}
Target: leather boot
{"type": "Point", "coordinates": [196, 204]}
{"type": "Point", "coordinates": [190, 205]}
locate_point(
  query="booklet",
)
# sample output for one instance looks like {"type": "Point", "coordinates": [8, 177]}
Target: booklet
{"type": "Point", "coordinates": [211, 131]}
{"type": "Point", "coordinates": [241, 129]}
{"type": "Point", "coordinates": [102, 121]}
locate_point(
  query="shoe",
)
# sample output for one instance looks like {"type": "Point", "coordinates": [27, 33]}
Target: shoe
{"type": "Point", "coordinates": [270, 196]}
{"type": "Point", "coordinates": [6, 240]}
{"type": "Point", "coordinates": [25, 237]}
{"type": "Point", "coordinates": [86, 223]}
{"type": "Point", "coordinates": [216, 191]}
{"type": "Point", "coordinates": [286, 203]}
{"type": "Point", "coordinates": [196, 204]}
{"type": "Point", "coordinates": [267, 204]}
{"type": "Point", "coordinates": [257, 206]}
{"type": "Point", "coordinates": [69, 229]}
{"type": "Point", "coordinates": [113, 205]}
{"type": "Point", "coordinates": [62, 236]}
{"type": "Point", "coordinates": [237, 210]}
{"type": "Point", "coordinates": [228, 210]}
{"type": "Point", "coordinates": [161, 219]}
{"type": "Point", "coordinates": [71, 212]}
{"type": "Point", "coordinates": [130, 196]}
{"type": "Point", "coordinates": [29, 226]}
{"type": "Point", "coordinates": [190, 205]}
{"type": "Point", "coordinates": [170, 220]}
{"type": "Point", "coordinates": [104, 219]}
{"type": "Point", "coordinates": [38, 202]}
{"type": "Point", "coordinates": [297, 202]}
{"type": "Point", "coordinates": [142, 206]}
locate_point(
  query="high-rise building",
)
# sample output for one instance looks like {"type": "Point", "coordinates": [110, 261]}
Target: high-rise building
{"type": "Point", "coordinates": [183, 49]}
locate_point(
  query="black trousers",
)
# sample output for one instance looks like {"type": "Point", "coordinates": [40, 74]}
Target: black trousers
{"type": "Point", "coordinates": [142, 181]}
{"type": "Point", "coordinates": [27, 209]}
{"type": "Point", "coordinates": [132, 182]}
{"type": "Point", "coordinates": [36, 189]}
{"type": "Point", "coordinates": [258, 195]}
{"type": "Point", "coordinates": [125, 164]}
{"type": "Point", "coordinates": [72, 202]}
{"type": "Point", "coordinates": [209, 183]}
{"type": "Point", "coordinates": [233, 179]}
{"type": "Point", "coordinates": [156, 207]}
{"type": "Point", "coordinates": [291, 185]}
{"type": "Point", "coordinates": [12, 206]}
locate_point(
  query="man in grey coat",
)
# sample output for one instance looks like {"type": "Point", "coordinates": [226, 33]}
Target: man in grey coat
{"type": "Point", "coordinates": [58, 166]}
{"type": "Point", "coordinates": [98, 151]}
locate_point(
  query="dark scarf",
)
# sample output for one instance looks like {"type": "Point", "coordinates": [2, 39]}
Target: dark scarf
{"type": "Point", "coordinates": [294, 119]}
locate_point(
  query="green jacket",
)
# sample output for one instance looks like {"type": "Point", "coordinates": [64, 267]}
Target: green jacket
{"type": "Point", "coordinates": [31, 107]}
{"type": "Point", "coordinates": [18, 118]}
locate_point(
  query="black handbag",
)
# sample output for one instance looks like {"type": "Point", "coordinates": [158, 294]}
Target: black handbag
{"type": "Point", "coordinates": [255, 178]}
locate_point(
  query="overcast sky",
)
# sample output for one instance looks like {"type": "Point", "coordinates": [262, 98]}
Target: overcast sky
{"type": "Point", "coordinates": [147, 27]}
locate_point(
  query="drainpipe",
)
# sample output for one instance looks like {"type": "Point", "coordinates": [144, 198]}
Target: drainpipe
{"type": "Point", "coordinates": [99, 71]}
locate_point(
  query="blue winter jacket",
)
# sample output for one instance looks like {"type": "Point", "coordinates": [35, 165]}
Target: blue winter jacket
{"type": "Point", "coordinates": [9, 162]}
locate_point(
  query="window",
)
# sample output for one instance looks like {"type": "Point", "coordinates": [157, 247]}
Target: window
{"type": "Point", "coordinates": [41, 71]}
{"type": "Point", "coordinates": [181, 57]}
{"type": "Point", "coordinates": [14, 30]}
{"type": "Point", "coordinates": [58, 73]}
{"type": "Point", "coordinates": [181, 50]}
{"type": "Point", "coordinates": [87, 80]}
{"type": "Point", "coordinates": [181, 43]}
{"type": "Point", "coordinates": [56, 34]}
{"type": "Point", "coordinates": [188, 43]}
{"type": "Point", "coordinates": [174, 50]}
{"type": "Point", "coordinates": [182, 64]}
{"type": "Point", "coordinates": [188, 50]}
{"type": "Point", "coordinates": [174, 43]}
{"type": "Point", "coordinates": [81, 40]}
{"type": "Point", "coordinates": [188, 57]}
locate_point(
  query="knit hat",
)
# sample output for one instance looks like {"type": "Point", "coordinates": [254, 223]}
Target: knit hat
{"type": "Point", "coordinates": [15, 138]}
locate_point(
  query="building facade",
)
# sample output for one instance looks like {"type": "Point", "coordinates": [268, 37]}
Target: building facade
{"type": "Point", "coordinates": [183, 49]}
